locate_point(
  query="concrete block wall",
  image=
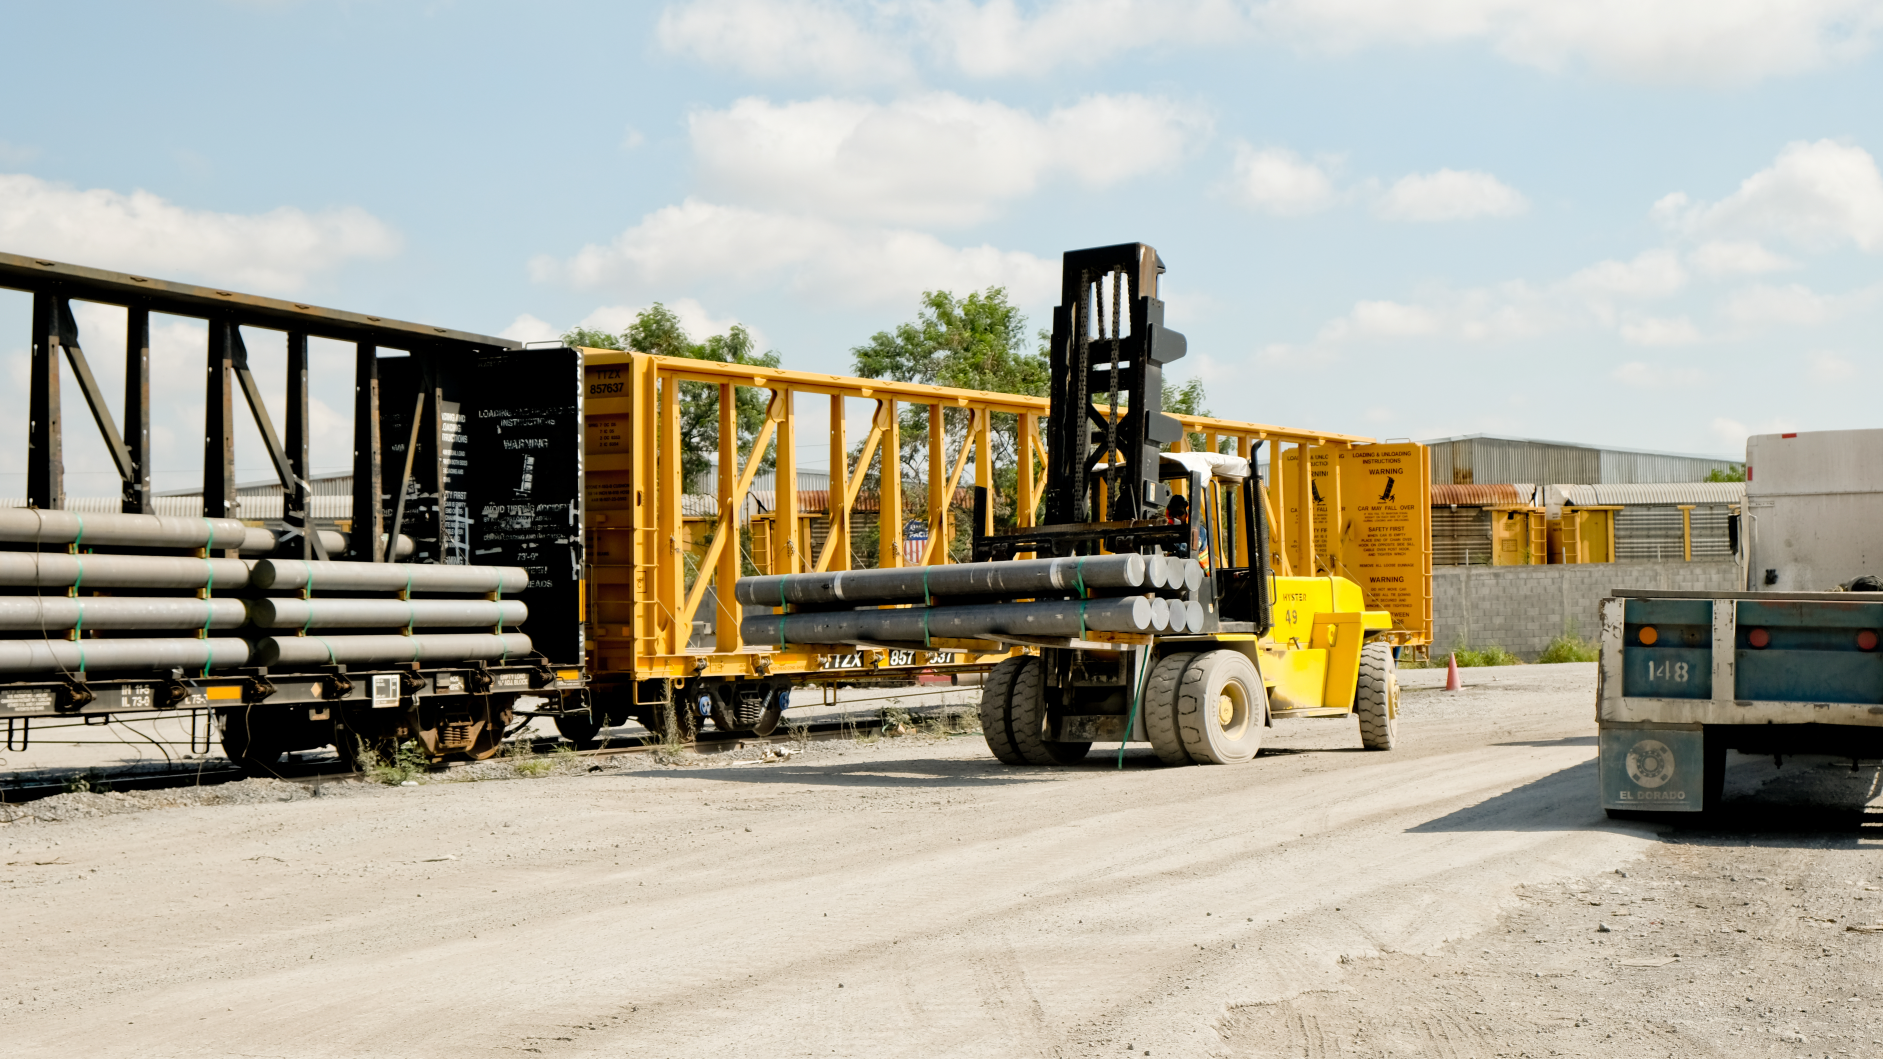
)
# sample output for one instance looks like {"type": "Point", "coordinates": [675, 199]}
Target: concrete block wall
{"type": "Point", "coordinates": [1523, 608]}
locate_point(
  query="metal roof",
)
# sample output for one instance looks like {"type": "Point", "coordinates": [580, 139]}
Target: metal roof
{"type": "Point", "coordinates": [1482, 495]}
{"type": "Point", "coordinates": [1665, 493]}
{"type": "Point", "coordinates": [1585, 445]}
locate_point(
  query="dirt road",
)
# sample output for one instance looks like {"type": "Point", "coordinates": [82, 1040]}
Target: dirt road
{"type": "Point", "coordinates": [912, 897]}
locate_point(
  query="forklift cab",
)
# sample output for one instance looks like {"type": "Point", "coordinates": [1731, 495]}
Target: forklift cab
{"type": "Point", "coordinates": [1228, 535]}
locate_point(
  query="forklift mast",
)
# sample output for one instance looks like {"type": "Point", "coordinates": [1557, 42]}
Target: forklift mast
{"type": "Point", "coordinates": [1108, 352]}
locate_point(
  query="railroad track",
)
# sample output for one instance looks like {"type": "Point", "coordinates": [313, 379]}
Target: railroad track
{"type": "Point", "coordinates": [319, 771]}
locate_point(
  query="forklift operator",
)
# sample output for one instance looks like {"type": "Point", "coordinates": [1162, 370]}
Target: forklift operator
{"type": "Point", "coordinates": [1178, 510]}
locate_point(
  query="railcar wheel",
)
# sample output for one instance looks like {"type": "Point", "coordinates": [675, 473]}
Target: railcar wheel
{"type": "Point", "coordinates": [1221, 707]}
{"type": "Point", "coordinates": [775, 704]}
{"type": "Point", "coordinates": [249, 740]}
{"type": "Point", "coordinates": [1160, 707]}
{"type": "Point", "coordinates": [1377, 698]}
{"type": "Point", "coordinates": [579, 728]}
{"type": "Point", "coordinates": [1028, 720]}
{"type": "Point", "coordinates": [996, 705]}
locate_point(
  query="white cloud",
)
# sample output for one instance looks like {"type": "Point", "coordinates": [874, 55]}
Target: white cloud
{"type": "Point", "coordinates": [1652, 274]}
{"type": "Point", "coordinates": [1280, 182]}
{"type": "Point", "coordinates": [995, 39]}
{"type": "Point", "coordinates": [935, 158]}
{"type": "Point", "coordinates": [1506, 311]}
{"type": "Point", "coordinates": [140, 232]}
{"type": "Point", "coordinates": [1722, 42]}
{"type": "Point", "coordinates": [697, 241]}
{"type": "Point", "coordinates": [1793, 304]}
{"type": "Point", "coordinates": [1735, 433]}
{"type": "Point", "coordinates": [1814, 195]}
{"type": "Point", "coordinates": [1383, 319]}
{"type": "Point", "coordinates": [614, 319]}
{"type": "Point", "coordinates": [1656, 376]}
{"type": "Point", "coordinates": [1737, 257]}
{"type": "Point", "coordinates": [777, 38]}
{"type": "Point", "coordinates": [1449, 195]}
{"type": "Point", "coordinates": [527, 328]}
{"type": "Point", "coordinates": [1658, 332]}
{"type": "Point", "coordinates": [1829, 367]}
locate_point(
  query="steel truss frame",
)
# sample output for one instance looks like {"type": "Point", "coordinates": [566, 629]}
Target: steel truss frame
{"type": "Point", "coordinates": [55, 285]}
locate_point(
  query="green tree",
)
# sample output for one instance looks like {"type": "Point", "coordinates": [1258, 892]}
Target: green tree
{"type": "Point", "coordinates": [979, 343]}
{"type": "Point", "coordinates": [658, 330]}
{"type": "Point", "coordinates": [1187, 400]}
{"type": "Point", "coordinates": [1737, 473]}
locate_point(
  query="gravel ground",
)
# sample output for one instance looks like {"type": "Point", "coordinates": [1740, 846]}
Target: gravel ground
{"type": "Point", "coordinates": [1461, 896]}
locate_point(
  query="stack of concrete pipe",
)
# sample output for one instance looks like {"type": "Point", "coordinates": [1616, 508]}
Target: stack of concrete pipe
{"type": "Point", "coordinates": [22, 525]}
{"type": "Point", "coordinates": [1067, 598]}
{"type": "Point", "coordinates": [311, 628]}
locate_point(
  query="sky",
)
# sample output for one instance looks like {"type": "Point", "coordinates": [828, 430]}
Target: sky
{"type": "Point", "coordinates": [1647, 225]}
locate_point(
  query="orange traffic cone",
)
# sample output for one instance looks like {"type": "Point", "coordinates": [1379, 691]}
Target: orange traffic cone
{"type": "Point", "coordinates": [1452, 683]}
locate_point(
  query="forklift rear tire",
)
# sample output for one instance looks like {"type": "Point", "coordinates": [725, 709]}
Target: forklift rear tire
{"type": "Point", "coordinates": [1160, 707]}
{"type": "Point", "coordinates": [1221, 708]}
{"type": "Point", "coordinates": [1376, 700]}
{"type": "Point", "coordinates": [1027, 720]}
{"type": "Point", "coordinates": [996, 705]}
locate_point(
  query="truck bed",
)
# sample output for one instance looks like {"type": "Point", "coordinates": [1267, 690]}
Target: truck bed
{"type": "Point", "coordinates": [1686, 676]}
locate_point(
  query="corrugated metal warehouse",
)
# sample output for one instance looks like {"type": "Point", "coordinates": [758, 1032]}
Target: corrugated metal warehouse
{"type": "Point", "coordinates": [1648, 528]}
{"type": "Point", "coordinates": [1487, 459]}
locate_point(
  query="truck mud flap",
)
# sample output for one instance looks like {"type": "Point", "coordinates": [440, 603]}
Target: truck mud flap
{"type": "Point", "coordinates": [1656, 769]}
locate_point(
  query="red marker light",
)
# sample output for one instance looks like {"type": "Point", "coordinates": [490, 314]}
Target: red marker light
{"type": "Point", "coordinates": [1788, 435]}
{"type": "Point", "coordinates": [1647, 635]}
{"type": "Point", "coordinates": [1866, 640]}
{"type": "Point", "coordinates": [1758, 637]}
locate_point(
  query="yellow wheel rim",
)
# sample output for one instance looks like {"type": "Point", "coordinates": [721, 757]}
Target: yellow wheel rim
{"type": "Point", "coordinates": [1232, 709]}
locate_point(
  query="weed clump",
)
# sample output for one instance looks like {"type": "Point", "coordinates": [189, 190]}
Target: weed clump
{"type": "Point", "coordinates": [408, 761]}
{"type": "Point", "coordinates": [1568, 649]}
{"type": "Point", "coordinates": [1486, 656]}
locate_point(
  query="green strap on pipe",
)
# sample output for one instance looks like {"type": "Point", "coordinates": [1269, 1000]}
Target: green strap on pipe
{"type": "Point", "coordinates": [925, 643]}
{"type": "Point", "coordinates": [1137, 696]}
{"type": "Point", "coordinates": [209, 591]}
{"type": "Point", "coordinates": [1082, 619]}
{"type": "Point", "coordinates": [1079, 571]}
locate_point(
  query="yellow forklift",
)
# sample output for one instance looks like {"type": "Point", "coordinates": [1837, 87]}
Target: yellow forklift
{"type": "Point", "coordinates": [1149, 603]}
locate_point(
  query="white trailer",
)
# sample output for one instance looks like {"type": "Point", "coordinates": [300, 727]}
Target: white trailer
{"type": "Point", "coordinates": [1814, 509]}
{"type": "Point", "coordinates": [1786, 666]}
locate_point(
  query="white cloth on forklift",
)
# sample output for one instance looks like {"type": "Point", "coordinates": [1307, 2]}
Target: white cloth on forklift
{"type": "Point", "coordinates": [1214, 464]}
